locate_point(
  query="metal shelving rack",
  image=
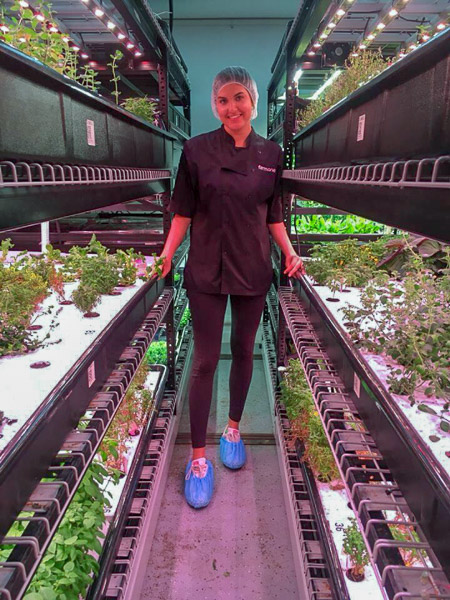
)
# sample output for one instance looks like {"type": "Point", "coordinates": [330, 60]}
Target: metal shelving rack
{"type": "Point", "coordinates": [153, 66]}
{"type": "Point", "coordinates": [397, 175]}
{"type": "Point", "coordinates": [374, 492]}
{"type": "Point", "coordinates": [90, 154]}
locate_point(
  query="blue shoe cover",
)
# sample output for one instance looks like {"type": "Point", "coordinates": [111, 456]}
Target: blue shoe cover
{"type": "Point", "coordinates": [198, 490]}
{"type": "Point", "coordinates": [232, 454]}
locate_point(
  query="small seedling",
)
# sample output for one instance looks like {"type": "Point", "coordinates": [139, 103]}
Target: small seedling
{"type": "Point", "coordinates": [355, 549]}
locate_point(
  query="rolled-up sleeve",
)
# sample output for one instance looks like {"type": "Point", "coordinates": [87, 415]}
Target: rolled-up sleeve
{"type": "Point", "coordinates": [275, 209]}
{"type": "Point", "coordinates": [183, 201]}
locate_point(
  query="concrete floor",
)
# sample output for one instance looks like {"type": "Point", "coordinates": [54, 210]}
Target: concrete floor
{"type": "Point", "coordinates": [237, 548]}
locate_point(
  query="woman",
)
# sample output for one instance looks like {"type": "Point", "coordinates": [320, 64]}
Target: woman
{"type": "Point", "coordinates": [227, 190]}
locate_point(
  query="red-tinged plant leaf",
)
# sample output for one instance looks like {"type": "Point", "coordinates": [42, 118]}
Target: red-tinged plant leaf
{"type": "Point", "coordinates": [434, 438]}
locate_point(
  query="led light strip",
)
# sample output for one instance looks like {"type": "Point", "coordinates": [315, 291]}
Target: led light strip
{"type": "Point", "coordinates": [386, 16]}
{"type": "Point", "coordinates": [441, 26]}
{"type": "Point", "coordinates": [324, 31]}
{"type": "Point", "coordinates": [108, 21]}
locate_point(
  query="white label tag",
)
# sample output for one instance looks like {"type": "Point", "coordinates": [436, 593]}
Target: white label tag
{"type": "Point", "coordinates": [90, 129]}
{"type": "Point", "coordinates": [356, 385]}
{"type": "Point", "coordinates": [91, 374]}
{"type": "Point", "coordinates": [361, 127]}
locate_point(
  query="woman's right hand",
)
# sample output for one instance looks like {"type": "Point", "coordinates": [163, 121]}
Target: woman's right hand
{"type": "Point", "coordinates": [165, 264]}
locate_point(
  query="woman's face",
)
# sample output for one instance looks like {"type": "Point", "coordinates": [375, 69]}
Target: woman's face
{"type": "Point", "coordinates": [234, 106]}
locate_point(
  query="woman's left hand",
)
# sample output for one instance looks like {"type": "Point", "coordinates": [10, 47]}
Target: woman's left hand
{"type": "Point", "coordinates": [294, 266]}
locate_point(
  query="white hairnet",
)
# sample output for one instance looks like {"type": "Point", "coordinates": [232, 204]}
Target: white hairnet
{"type": "Point", "coordinates": [235, 75]}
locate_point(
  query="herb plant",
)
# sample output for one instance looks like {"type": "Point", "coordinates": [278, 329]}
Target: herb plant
{"type": "Point", "coordinates": [185, 318]}
{"type": "Point", "coordinates": [409, 320]}
{"type": "Point", "coordinates": [85, 298]}
{"type": "Point", "coordinates": [157, 265]}
{"type": "Point", "coordinates": [130, 419]}
{"type": "Point", "coordinates": [21, 292]}
{"type": "Point", "coordinates": [337, 224]}
{"type": "Point", "coordinates": [68, 566]}
{"type": "Point", "coordinates": [358, 71]}
{"type": "Point", "coordinates": [40, 40]}
{"type": "Point", "coordinates": [306, 423]}
{"type": "Point", "coordinates": [345, 263]}
{"type": "Point", "coordinates": [118, 55]}
{"type": "Point", "coordinates": [126, 261]}
{"type": "Point", "coordinates": [355, 548]}
{"type": "Point", "coordinates": [144, 107]}
{"type": "Point", "coordinates": [157, 353]}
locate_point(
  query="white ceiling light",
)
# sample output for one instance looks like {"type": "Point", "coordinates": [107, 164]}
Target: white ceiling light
{"type": "Point", "coordinates": [111, 25]}
{"type": "Point", "coordinates": [297, 75]}
{"type": "Point", "coordinates": [121, 36]}
{"type": "Point", "coordinates": [381, 26]}
{"type": "Point", "coordinates": [98, 12]}
{"type": "Point", "coordinates": [340, 12]}
{"type": "Point", "coordinates": [393, 12]}
{"type": "Point", "coordinates": [331, 25]}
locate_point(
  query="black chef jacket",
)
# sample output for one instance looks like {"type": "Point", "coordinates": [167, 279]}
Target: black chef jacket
{"type": "Point", "coordinates": [231, 194]}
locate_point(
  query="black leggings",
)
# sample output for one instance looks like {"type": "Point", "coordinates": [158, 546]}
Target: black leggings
{"type": "Point", "coordinates": [208, 311]}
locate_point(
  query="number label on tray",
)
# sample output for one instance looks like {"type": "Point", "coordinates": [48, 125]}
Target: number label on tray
{"type": "Point", "coordinates": [91, 374]}
{"type": "Point", "coordinates": [361, 128]}
{"type": "Point", "coordinates": [90, 129]}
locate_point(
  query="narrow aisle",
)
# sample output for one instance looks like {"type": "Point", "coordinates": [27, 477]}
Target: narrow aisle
{"type": "Point", "coordinates": [238, 547]}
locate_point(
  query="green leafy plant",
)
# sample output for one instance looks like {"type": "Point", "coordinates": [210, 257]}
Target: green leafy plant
{"type": "Point", "coordinates": [355, 548]}
{"type": "Point", "coordinates": [118, 55]}
{"type": "Point", "coordinates": [306, 423]}
{"type": "Point", "coordinates": [337, 224]}
{"type": "Point", "coordinates": [409, 320]}
{"type": "Point", "coordinates": [359, 70]}
{"type": "Point", "coordinates": [349, 262]}
{"type": "Point", "coordinates": [126, 261]}
{"type": "Point", "coordinates": [157, 353]}
{"type": "Point", "coordinates": [68, 566]}
{"type": "Point", "coordinates": [42, 40]}
{"type": "Point", "coordinates": [185, 318]}
{"type": "Point", "coordinates": [143, 107]}
{"type": "Point", "coordinates": [85, 298]}
{"type": "Point", "coordinates": [100, 273]}
{"type": "Point", "coordinates": [21, 293]}
{"type": "Point", "coordinates": [157, 265]}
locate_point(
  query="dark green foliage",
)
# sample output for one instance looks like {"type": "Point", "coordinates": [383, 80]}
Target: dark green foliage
{"type": "Point", "coordinates": [157, 353]}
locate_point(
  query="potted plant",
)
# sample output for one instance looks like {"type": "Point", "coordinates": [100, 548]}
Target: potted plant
{"type": "Point", "coordinates": [355, 548]}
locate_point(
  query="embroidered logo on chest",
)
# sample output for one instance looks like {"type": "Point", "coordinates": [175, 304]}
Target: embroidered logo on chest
{"type": "Point", "coordinates": [267, 169]}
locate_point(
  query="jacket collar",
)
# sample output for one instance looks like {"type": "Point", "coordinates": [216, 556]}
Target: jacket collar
{"type": "Point", "coordinates": [228, 139]}
{"type": "Point", "coordinates": [231, 159]}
